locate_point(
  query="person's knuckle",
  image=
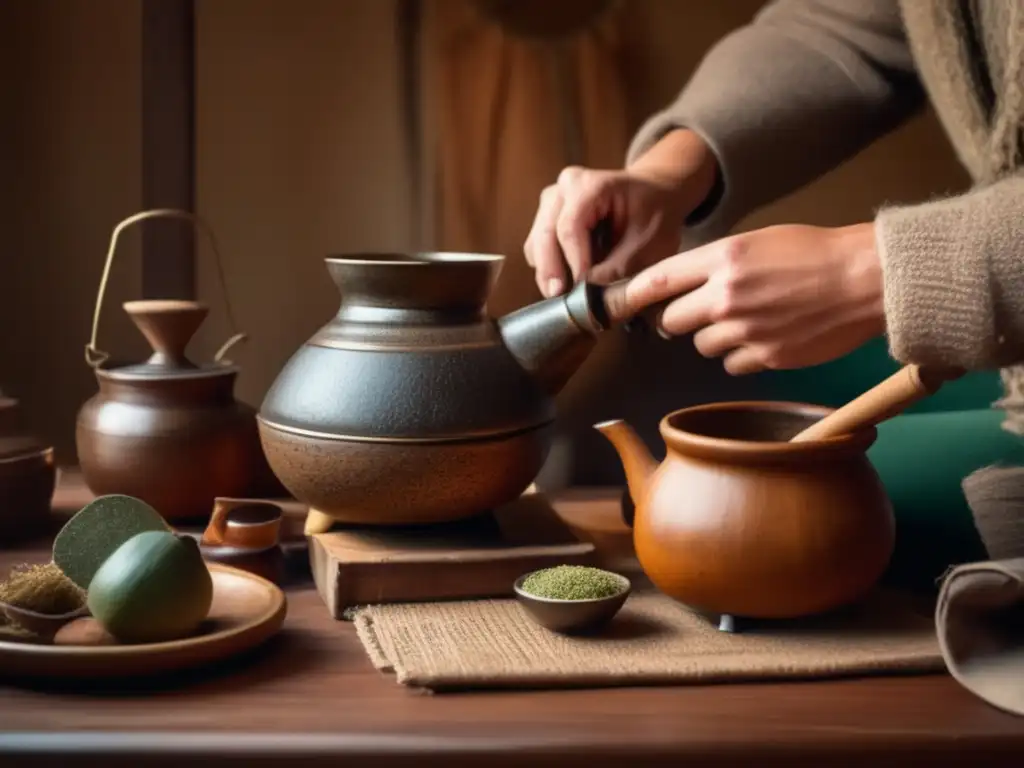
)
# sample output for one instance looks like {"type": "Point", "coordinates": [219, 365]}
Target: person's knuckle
{"type": "Point", "coordinates": [745, 331]}
{"type": "Point", "coordinates": [703, 345]}
{"type": "Point", "coordinates": [734, 251]}
{"type": "Point", "coordinates": [723, 304]}
{"type": "Point", "coordinates": [570, 175]}
{"type": "Point", "coordinates": [566, 228]}
{"type": "Point", "coordinates": [654, 280]}
{"type": "Point", "coordinates": [594, 182]}
{"type": "Point", "coordinates": [772, 356]}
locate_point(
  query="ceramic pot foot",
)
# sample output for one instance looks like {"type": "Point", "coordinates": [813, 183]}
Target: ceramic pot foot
{"type": "Point", "coordinates": [736, 625]}
{"type": "Point", "coordinates": [317, 522]}
{"type": "Point", "coordinates": [729, 623]}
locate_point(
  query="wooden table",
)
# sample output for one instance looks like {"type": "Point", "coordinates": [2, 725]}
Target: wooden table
{"type": "Point", "coordinates": [311, 698]}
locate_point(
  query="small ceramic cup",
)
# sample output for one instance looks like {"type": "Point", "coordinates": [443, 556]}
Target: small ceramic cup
{"type": "Point", "coordinates": [244, 524]}
{"type": "Point", "coordinates": [45, 625]}
{"type": "Point", "coordinates": [571, 616]}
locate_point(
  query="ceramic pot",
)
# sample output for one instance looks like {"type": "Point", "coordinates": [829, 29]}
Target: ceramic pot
{"type": "Point", "coordinates": [738, 521]}
{"type": "Point", "coordinates": [411, 405]}
{"type": "Point", "coordinates": [168, 431]}
{"type": "Point", "coordinates": [27, 477]}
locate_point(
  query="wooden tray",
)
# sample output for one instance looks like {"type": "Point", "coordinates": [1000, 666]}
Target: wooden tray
{"type": "Point", "coordinates": [246, 611]}
{"type": "Point", "coordinates": [474, 558]}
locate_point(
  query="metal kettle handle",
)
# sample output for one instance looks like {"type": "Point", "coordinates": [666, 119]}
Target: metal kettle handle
{"type": "Point", "coordinates": [94, 357]}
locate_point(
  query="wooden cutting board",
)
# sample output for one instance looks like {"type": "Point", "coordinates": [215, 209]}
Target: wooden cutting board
{"type": "Point", "coordinates": [477, 558]}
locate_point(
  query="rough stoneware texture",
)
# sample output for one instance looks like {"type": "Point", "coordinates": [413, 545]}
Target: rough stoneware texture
{"type": "Point", "coordinates": [175, 443]}
{"type": "Point", "coordinates": [403, 483]}
{"type": "Point", "coordinates": [444, 391]}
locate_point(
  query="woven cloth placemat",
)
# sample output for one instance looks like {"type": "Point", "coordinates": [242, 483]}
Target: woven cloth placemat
{"type": "Point", "coordinates": [652, 640]}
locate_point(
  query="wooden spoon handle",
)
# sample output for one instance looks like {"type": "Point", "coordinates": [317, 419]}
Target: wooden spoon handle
{"type": "Point", "coordinates": [889, 398]}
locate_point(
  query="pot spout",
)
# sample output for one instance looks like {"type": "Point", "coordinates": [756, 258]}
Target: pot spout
{"type": "Point", "coordinates": [636, 459]}
{"type": "Point", "coordinates": [553, 337]}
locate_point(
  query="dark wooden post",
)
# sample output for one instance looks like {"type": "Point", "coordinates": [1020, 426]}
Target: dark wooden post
{"type": "Point", "coordinates": [168, 145]}
{"type": "Point", "coordinates": [408, 22]}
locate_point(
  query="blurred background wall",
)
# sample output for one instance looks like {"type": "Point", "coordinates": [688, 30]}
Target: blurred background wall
{"type": "Point", "coordinates": [301, 152]}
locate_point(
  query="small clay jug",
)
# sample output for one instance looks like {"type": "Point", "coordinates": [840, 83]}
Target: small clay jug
{"type": "Point", "coordinates": [169, 431]}
{"type": "Point", "coordinates": [28, 476]}
{"type": "Point", "coordinates": [246, 534]}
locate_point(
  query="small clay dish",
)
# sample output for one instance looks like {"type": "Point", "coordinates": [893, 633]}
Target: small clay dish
{"type": "Point", "coordinates": [43, 624]}
{"type": "Point", "coordinates": [571, 616]}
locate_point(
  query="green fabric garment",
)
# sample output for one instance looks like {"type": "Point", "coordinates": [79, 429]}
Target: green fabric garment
{"type": "Point", "coordinates": [922, 458]}
{"type": "Point", "coordinates": [838, 382]}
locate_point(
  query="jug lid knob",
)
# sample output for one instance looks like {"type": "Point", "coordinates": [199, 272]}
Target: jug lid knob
{"type": "Point", "coordinates": [168, 325]}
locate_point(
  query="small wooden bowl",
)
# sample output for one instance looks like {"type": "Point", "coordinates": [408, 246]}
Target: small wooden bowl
{"type": "Point", "coordinates": [572, 616]}
{"type": "Point", "coordinates": [45, 625]}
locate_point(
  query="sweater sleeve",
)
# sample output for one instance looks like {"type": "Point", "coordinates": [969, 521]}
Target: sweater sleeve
{"type": "Point", "coordinates": [953, 277]}
{"type": "Point", "coordinates": [804, 86]}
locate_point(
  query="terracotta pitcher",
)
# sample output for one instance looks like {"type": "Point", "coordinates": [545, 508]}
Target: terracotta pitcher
{"type": "Point", "coordinates": [738, 521]}
{"type": "Point", "coordinates": [167, 430]}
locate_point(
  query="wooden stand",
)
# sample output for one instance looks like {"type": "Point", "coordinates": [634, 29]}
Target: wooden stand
{"type": "Point", "coordinates": [475, 558]}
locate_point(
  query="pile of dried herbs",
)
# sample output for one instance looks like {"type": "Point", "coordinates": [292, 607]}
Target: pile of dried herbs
{"type": "Point", "coordinates": [572, 582]}
{"type": "Point", "coordinates": [39, 588]}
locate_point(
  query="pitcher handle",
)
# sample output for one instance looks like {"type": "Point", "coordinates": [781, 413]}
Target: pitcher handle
{"type": "Point", "coordinates": [94, 357]}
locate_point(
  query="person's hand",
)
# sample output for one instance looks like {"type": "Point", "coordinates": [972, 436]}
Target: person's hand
{"type": "Point", "coordinates": [659, 190]}
{"type": "Point", "coordinates": [783, 297]}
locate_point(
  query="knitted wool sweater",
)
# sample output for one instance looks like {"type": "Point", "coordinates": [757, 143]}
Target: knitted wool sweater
{"type": "Point", "coordinates": [809, 83]}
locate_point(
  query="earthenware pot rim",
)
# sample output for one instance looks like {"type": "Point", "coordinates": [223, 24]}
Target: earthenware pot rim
{"type": "Point", "coordinates": [479, 436]}
{"type": "Point", "coordinates": [146, 372]}
{"type": "Point", "coordinates": [413, 258]}
{"type": "Point", "coordinates": [693, 443]}
{"type": "Point", "coordinates": [17, 444]}
{"type": "Point", "coordinates": [33, 453]}
{"type": "Point", "coordinates": [627, 586]}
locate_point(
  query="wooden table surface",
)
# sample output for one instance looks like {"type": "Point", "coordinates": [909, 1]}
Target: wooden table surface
{"type": "Point", "coordinates": [311, 697]}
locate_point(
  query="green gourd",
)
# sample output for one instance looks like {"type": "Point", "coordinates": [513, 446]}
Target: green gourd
{"type": "Point", "coordinates": [155, 587]}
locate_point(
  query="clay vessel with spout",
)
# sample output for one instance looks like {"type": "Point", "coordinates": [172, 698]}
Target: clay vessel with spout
{"type": "Point", "coordinates": [411, 405]}
{"type": "Point", "coordinates": [738, 521]}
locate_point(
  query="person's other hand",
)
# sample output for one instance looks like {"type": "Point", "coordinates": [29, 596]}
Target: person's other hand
{"type": "Point", "coordinates": [666, 184]}
{"type": "Point", "coordinates": [782, 297]}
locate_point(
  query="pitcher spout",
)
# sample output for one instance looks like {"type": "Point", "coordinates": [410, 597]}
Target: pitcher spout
{"type": "Point", "coordinates": [553, 337]}
{"type": "Point", "coordinates": [637, 461]}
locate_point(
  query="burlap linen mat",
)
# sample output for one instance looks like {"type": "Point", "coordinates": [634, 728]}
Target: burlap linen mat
{"type": "Point", "coordinates": [653, 640]}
